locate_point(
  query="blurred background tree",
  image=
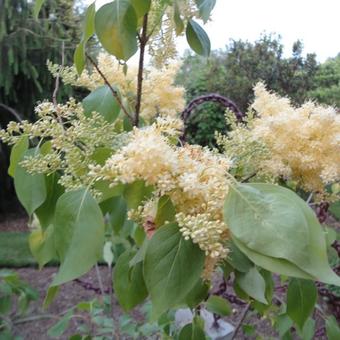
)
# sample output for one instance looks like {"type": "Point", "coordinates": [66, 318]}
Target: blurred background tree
{"type": "Point", "coordinates": [327, 83]}
{"type": "Point", "coordinates": [25, 46]}
{"type": "Point", "coordinates": [234, 71]}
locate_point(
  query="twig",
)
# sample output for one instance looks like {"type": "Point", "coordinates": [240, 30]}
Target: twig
{"type": "Point", "coordinates": [57, 79]}
{"type": "Point", "coordinates": [34, 318]}
{"type": "Point", "coordinates": [310, 197]}
{"type": "Point", "coordinates": [12, 112]}
{"type": "Point", "coordinates": [100, 280]}
{"type": "Point", "coordinates": [111, 286]}
{"type": "Point", "coordinates": [239, 324]}
{"type": "Point", "coordinates": [143, 39]}
{"type": "Point", "coordinates": [113, 91]}
{"type": "Point", "coordinates": [249, 177]}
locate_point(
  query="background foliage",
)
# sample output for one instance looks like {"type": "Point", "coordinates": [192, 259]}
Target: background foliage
{"type": "Point", "coordinates": [234, 71]}
{"type": "Point", "coordinates": [25, 46]}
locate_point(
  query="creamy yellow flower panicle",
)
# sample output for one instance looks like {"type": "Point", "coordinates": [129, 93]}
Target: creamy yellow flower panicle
{"type": "Point", "coordinates": [72, 140]}
{"type": "Point", "coordinates": [160, 96]}
{"type": "Point", "coordinates": [193, 177]}
{"type": "Point", "coordinates": [301, 144]}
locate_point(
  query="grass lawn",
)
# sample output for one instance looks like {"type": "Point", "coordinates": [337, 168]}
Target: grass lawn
{"type": "Point", "coordinates": [14, 250]}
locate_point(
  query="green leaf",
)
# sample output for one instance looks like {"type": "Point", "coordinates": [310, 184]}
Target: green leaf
{"type": "Point", "coordinates": [118, 213]}
{"type": "Point", "coordinates": [205, 7]}
{"type": "Point", "coordinates": [283, 323]}
{"type": "Point", "coordinates": [5, 305]}
{"type": "Point", "coordinates": [335, 209]}
{"type": "Point", "coordinates": [332, 328]}
{"type": "Point", "coordinates": [197, 38]}
{"type": "Point", "coordinates": [237, 259]}
{"type": "Point", "coordinates": [288, 239]}
{"type": "Point", "coordinates": [253, 284]}
{"type": "Point", "coordinates": [37, 7]}
{"type": "Point", "coordinates": [193, 331]}
{"type": "Point", "coordinates": [101, 100]}
{"type": "Point", "coordinates": [177, 19]}
{"type": "Point", "coordinates": [50, 295]}
{"type": "Point", "coordinates": [273, 264]}
{"type": "Point", "coordinates": [301, 299]}
{"type": "Point", "coordinates": [100, 155]}
{"type": "Point", "coordinates": [16, 154]}
{"type": "Point", "coordinates": [79, 58]}
{"type": "Point", "coordinates": [45, 212]}
{"type": "Point", "coordinates": [249, 330]}
{"type": "Point", "coordinates": [116, 26]}
{"type": "Point", "coordinates": [88, 30]}
{"type": "Point", "coordinates": [218, 305]}
{"type": "Point", "coordinates": [128, 282]}
{"type": "Point", "coordinates": [165, 211]}
{"type": "Point", "coordinates": [172, 266]}
{"type": "Point", "coordinates": [197, 294]}
{"type": "Point", "coordinates": [79, 234]}
{"type": "Point", "coordinates": [42, 245]}
{"type": "Point", "coordinates": [139, 257]}
{"type": "Point", "coordinates": [141, 7]}
{"type": "Point", "coordinates": [60, 327]}
{"type": "Point", "coordinates": [107, 192]}
{"type": "Point", "coordinates": [136, 192]}
{"type": "Point", "coordinates": [30, 189]}
{"type": "Point", "coordinates": [308, 330]}
{"type": "Point", "coordinates": [268, 279]}
{"type": "Point", "coordinates": [88, 24]}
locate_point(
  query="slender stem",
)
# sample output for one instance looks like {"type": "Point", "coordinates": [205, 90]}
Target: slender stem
{"type": "Point", "coordinates": [57, 79]}
{"type": "Point", "coordinates": [100, 280]}
{"type": "Point", "coordinates": [239, 324]}
{"type": "Point", "coordinates": [143, 39]}
{"type": "Point", "coordinates": [34, 318]}
{"type": "Point", "coordinates": [309, 198]}
{"type": "Point", "coordinates": [111, 286]}
{"type": "Point", "coordinates": [11, 111]}
{"type": "Point", "coordinates": [113, 91]}
{"type": "Point", "coordinates": [249, 177]}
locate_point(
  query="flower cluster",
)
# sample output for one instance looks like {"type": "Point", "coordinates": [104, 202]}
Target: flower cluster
{"type": "Point", "coordinates": [71, 140]}
{"type": "Point", "coordinates": [193, 177]}
{"type": "Point", "coordinates": [301, 144]}
{"type": "Point", "coordinates": [160, 96]}
{"type": "Point", "coordinates": [162, 28]}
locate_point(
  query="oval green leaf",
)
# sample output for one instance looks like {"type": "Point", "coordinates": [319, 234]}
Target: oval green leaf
{"type": "Point", "coordinates": [30, 189]}
{"type": "Point", "coordinates": [270, 222]}
{"type": "Point", "coordinates": [141, 7]}
{"type": "Point", "coordinates": [301, 299]}
{"type": "Point", "coordinates": [116, 28]}
{"type": "Point", "coordinates": [218, 305]}
{"type": "Point", "coordinates": [79, 234]}
{"type": "Point", "coordinates": [79, 57]}
{"type": "Point", "coordinates": [197, 38]}
{"type": "Point", "coordinates": [101, 100]}
{"type": "Point", "coordinates": [41, 244]}
{"type": "Point", "coordinates": [128, 282]}
{"type": "Point", "coordinates": [172, 267]}
{"type": "Point", "coordinates": [16, 154]}
{"type": "Point", "coordinates": [253, 284]}
{"type": "Point", "coordinates": [332, 328]}
{"type": "Point", "coordinates": [45, 212]}
{"type": "Point", "coordinates": [205, 7]}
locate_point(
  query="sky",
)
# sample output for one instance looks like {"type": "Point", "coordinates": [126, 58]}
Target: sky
{"type": "Point", "coordinates": [315, 22]}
